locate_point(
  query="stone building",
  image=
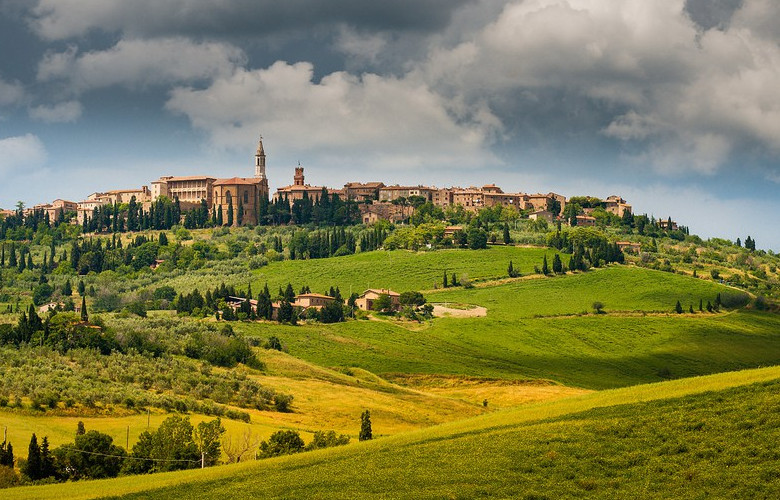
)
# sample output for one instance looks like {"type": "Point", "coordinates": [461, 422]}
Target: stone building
{"type": "Point", "coordinates": [242, 194]}
{"type": "Point", "coordinates": [617, 205]}
{"type": "Point", "coordinates": [191, 189]}
{"type": "Point", "coordinates": [390, 193]}
{"type": "Point", "coordinates": [359, 191]}
{"type": "Point", "coordinates": [297, 189]}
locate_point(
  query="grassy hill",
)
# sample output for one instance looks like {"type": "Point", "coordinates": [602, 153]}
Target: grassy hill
{"type": "Point", "coordinates": [701, 437]}
{"type": "Point", "coordinates": [632, 345]}
{"type": "Point", "coordinates": [398, 270]}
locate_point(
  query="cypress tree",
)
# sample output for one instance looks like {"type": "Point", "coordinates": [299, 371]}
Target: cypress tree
{"type": "Point", "coordinates": [511, 270]}
{"type": "Point", "coordinates": [678, 308]}
{"type": "Point", "coordinates": [7, 454]}
{"type": "Point", "coordinates": [81, 288]}
{"type": "Point", "coordinates": [507, 239]}
{"type": "Point", "coordinates": [29, 261]}
{"type": "Point", "coordinates": [557, 264]}
{"type": "Point", "coordinates": [84, 315]}
{"type": "Point", "coordinates": [33, 469]}
{"type": "Point", "coordinates": [220, 221]}
{"type": "Point", "coordinates": [545, 267]}
{"type": "Point", "coordinates": [230, 213]}
{"type": "Point", "coordinates": [12, 257]}
{"type": "Point", "coordinates": [454, 281]}
{"type": "Point", "coordinates": [240, 213]}
{"type": "Point", "coordinates": [365, 426]}
{"type": "Point", "coordinates": [701, 308]}
{"type": "Point", "coordinates": [67, 290]}
{"type": "Point", "coordinates": [2, 256]}
{"type": "Point", "coordinates": [80, 429]}
{"type": "Point", "coordinates": [47, 460]}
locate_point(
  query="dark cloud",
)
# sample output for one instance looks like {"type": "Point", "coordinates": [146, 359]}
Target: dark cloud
{"type": "Point", "coordinates": [68, 18]}
{"type": "Point", "coordinates": [712, 13]}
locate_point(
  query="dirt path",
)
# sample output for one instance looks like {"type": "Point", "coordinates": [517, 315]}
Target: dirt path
{"type": "Point", "coordinates": [459, 311]}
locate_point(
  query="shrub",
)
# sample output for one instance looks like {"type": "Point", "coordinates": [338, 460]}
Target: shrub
{"type": "Point", "coordinates": [281, 443]}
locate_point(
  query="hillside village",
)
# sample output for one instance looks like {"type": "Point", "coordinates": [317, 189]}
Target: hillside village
{"type": "Point", "coordinates": [240, 201]}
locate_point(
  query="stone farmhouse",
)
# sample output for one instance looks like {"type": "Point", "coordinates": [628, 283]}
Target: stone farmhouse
{"type": "Point", "coordinates": [367, 298]}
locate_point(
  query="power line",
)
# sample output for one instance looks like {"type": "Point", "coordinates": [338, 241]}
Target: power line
{"type": "Point", "coordinates": [130, 457]}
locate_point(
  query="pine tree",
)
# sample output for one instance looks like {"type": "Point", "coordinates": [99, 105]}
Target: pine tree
{"type": "Point", "coordinates": [510, 270]}
{"type": "Point", "coordinates": [365, 426]}
{"type": "Point", "coordinates": [81, 288]}
{"type": "Point", "coordinates": [84, 315]}
{"type": "Point", "coordinates": [444, 283]}
{"type": "Point", "coordinates": [454, 280]}
{"type": "Point", "coordinates": [80, 429]}
{"type": "Point", "coordinates": [67, 290]}
{"type": "Point", "coordinates": [47, 460]}
{"type": "Point", "coordinates": [507, 238]}
{"type": "Point", "coordinates": [545, 267]}
{"type": "Point", "coordinates": [12, 257]}
{"type": "Point", "coordinates": [678, 308]}
{"type": "Point", "coordinates": [7, 454]}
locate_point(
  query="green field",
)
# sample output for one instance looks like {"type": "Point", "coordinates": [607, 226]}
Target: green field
{"type": "Point", "coordinates": [398, 270]}
{"type": "Point", "coordinates": [708, 436]}
{"type": "Point", "coordinates": [591, 351]}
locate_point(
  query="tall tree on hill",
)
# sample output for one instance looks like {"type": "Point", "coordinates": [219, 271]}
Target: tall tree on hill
{"type": "Point", "coordinates": [444, 282]}
{"type": "Point", "coordinates": [545, 267]}
{"type": "Point", "coordinates": [12, 257]}
{"type": "Point", "coordinates": [230, 213]}
{"type": "Point", "coordinates": [7, 454]}
{"type": "Point", "coordinates": [678, 308]}
{"type": "Point", "coordinates": [511, 270]}
{"type": "Point", "coordinates": [33, 468]}
{"type": "Point", "coordinates": [67, 290]}
{"type": "Point", "coordinates": [739, 242]}
{"type": "Point", "coordinates": [557, 265]}
{"type": "Point", "coordinates": [82, 289]}
{"type": "Point", "coordinates": [365, 426]}
{"type": "Point", "coordinates": [507, 238]}
{"type": "Point", "coordinates": [84, 315]}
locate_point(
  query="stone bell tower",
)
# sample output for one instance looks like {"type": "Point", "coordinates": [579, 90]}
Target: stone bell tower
{"type": "Point", "coordinates": [260, 160]}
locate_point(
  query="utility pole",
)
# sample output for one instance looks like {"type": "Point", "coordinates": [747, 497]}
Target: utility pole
{"type": "Point", "coordinates": [202, 460]}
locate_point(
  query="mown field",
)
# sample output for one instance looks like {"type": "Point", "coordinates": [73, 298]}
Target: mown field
{"type": "Point", "coordinates": [701, 437]}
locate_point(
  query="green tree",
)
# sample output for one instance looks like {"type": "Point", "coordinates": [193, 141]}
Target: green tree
{"type": "Point", "coordinates": [281, 443]}
{"type": "Point", "coordinates": [511, 270]}
{"type": "Point", "coordinates": [327, 439]}
{"type": "Point", "coordinates": [383, 303]}
{"type": "Point", "coordinates": [168, 448]}
{"type": "Point", "coordinates": [81, 288]}
{"type": "Point", "coordinates": [545, 267]}
{"type": "Point", "coordinates": [598, 307]}
{"type": "Point", "coordinates": [6, 454]}
{"type": "Point", "coordinates": [507, 238]}
{"type": "Point", "coordinates": [678, 308]}
{"type": "Point", "coordinates": [93, 455]}
{"type": "Point", "coordinates": [84, 315]}
{"type": "Point", "coordinates": [444, 281]}
{"type": "Point", "coordinates": [230, 213]}
{"type": "Point", "coordinates": [365, 426]}
{"type": "Point", "coordinates": [412, 298]}
{"type": "Point", "coordinates": [207, 436]}
{"type": "Point", "coordinates": [332, 312]}
{"type": "Point", "coordinates": [67, 289]}
{"type": "Point", "coordinates": [557, 265]}
{"type": "Point", "coordinates": [476, 238]}
{"type": "Point", "coordinates": [34, 466]}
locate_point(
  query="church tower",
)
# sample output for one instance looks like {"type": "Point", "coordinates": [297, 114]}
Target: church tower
{"type": "Point", "coordinates": [260, 160]}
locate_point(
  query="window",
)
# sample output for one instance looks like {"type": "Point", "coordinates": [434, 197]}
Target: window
{"type": "Point", "coordinates": [246, 197]}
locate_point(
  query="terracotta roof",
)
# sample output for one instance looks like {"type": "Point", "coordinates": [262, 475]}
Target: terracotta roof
{"type": "Point", "coordinates": [314, 295]}
{"type": "Point", "coordinates": [381, 291]}
{"type": "Point", "coordinates": [305, 187]}
{"type": "Point", "coordinates": [188, 178]}
{"type": "Point", "coordinates": [236, 181]}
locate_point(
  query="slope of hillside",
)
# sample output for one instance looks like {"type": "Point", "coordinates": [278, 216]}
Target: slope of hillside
{"type": "Point", "coordinates": [633, 343]}
{"type": "Point", "coordinates": [707, 436]}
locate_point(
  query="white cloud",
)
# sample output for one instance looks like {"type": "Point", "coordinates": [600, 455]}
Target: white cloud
{"type": "Point", "coordinates": [64, 112]}
{"type": "Point", "coordinates": [140, 63]}
{"type": "Point", "coordinates": [20, 154]}
{"type": "Point", "coordinates": [376, 121]}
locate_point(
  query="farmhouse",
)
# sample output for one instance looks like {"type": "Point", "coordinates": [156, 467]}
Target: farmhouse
{"type": "Point", "coordinates": [586, 221]}
{"type": "Point", "coordinates": [307, 300]}
{"type": "Point", "coordinates": [628, 246]}
{"type": "Point", "coordinates": [367, 298]}
{"type": "Point", "coordinates": [541, 214]}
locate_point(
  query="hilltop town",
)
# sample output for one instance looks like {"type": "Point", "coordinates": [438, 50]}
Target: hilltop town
{"type": "Point", "coordinates": [240, 201]}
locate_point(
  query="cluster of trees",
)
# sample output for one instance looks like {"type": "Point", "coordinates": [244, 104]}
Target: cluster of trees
{"type": "Point", "coordinates": [750, 243]}
{"type": "Point", "coordinates": [175, 445]}
{"type": "Point", "coordinates": [290, 442]}
{"type": "Point", "coordinates": [373, 238]}
{"type": "Point", "coordinates": [588, 247]}
{"type": "Point", "coordinates": [320, 244]}
{"type": "Point", "coordinates": [324, 210]}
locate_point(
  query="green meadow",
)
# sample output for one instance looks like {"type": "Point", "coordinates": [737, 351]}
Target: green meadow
{"type": "Point", "coordinates": [704, 437]}
{"type": "Point", "coordinates": [399, 270]}
{"type": "Point", "coordinates": [535, 329]}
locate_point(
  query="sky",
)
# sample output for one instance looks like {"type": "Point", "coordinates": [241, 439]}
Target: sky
{"type": "Point", "coordinates": [671, 103]}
